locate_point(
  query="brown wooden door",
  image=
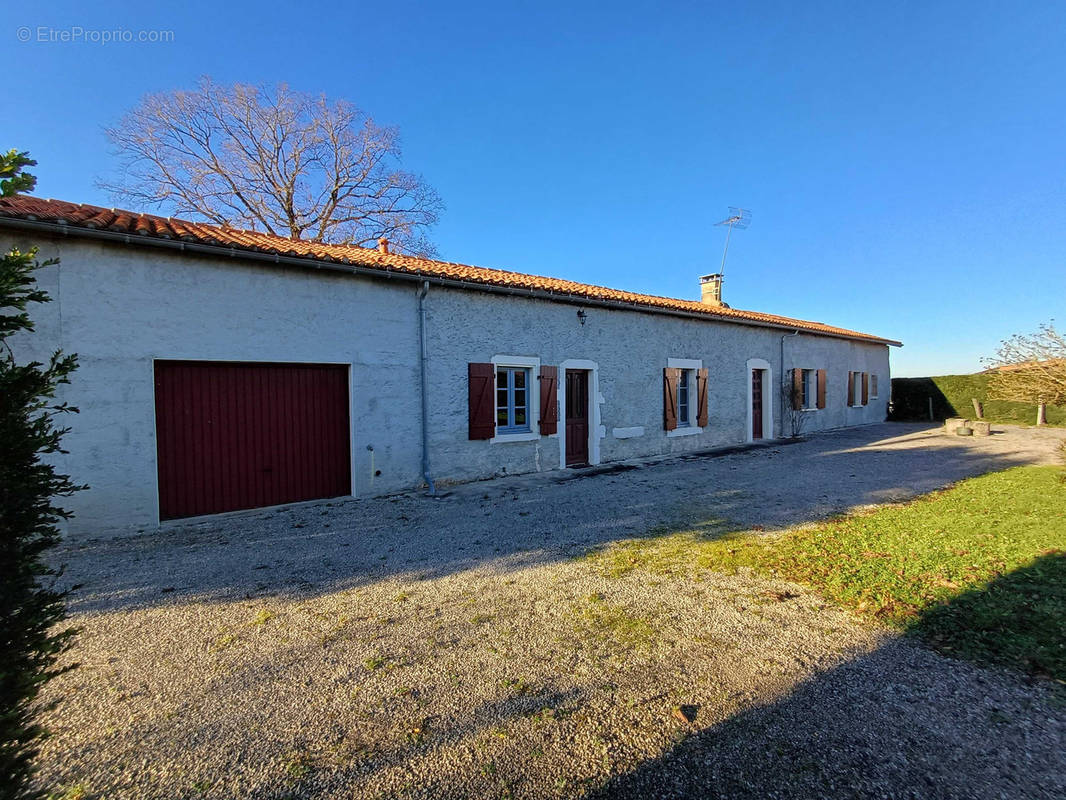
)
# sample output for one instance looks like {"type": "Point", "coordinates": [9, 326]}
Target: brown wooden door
{"type": "Point", "coordinates": [577, 418]}
{"type": "Point", "coordinates": [756, 404]}
{"type": "Point", "coordinates": [234, 436]}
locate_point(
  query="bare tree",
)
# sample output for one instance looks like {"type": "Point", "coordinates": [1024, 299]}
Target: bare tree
{"type": "Point", "coordinates": [1031, 369]}
{"type": "Point", "coordinates": [274, 160]}
{"type": "Point", "coordinates": [795, 416]}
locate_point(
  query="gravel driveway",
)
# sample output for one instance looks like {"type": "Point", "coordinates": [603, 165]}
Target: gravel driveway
{"type": "Point", "coordinates": [455, 647]}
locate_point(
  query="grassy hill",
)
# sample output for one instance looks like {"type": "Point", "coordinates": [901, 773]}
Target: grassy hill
{"type": "Point", "coordinates": [952, 398]}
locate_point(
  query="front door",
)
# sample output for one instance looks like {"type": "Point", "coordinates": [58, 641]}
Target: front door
{"type": "Point", "coordinates": [577, 418]}
{"type": "Point", "coordinates": [756, 404]}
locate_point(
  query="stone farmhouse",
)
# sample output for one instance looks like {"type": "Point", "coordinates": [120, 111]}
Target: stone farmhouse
{"type": "Point", "coordinates": [225, 369]}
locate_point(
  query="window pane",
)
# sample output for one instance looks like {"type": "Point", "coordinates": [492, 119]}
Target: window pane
{"type": "Point", "coordinates": [519, 417]}
{"type": "Point", "coordinates": [501, 417]}
{"type": "Point", "coordinates": [519, 397]}
{"type": "Point", "coordinates": [501, 378]}
{"type": "Point", "coordinates": [501, 397]}
{"type": "Point", "coordinates": [519, 378]}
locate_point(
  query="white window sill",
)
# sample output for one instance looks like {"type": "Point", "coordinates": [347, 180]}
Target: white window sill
{"type": "Point", "coordinates": [811, 409]}
{"type": "Point", "coordinates": [688, 430]}
{"type": "Point", "coordinates": [501, 438]}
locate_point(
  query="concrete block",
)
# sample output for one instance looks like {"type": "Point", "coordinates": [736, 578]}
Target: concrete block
{"type": "Point", "coordinates": [952, 423]}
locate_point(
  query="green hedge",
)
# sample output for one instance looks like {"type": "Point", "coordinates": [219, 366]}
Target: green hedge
{"type": "Point", "coordinates": [952, 395]}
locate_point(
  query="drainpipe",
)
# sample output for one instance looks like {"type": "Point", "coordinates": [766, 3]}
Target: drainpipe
{"type": "Point", "coordinates": [780, 392]}
{"type": "Point", "coordinates": [422, 377]}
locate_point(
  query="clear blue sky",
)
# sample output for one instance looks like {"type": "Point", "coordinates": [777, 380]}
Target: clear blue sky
{"type": "Point", "coordinates": [905, 165]}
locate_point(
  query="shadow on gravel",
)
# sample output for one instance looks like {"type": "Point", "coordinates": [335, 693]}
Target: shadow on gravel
{"type": "Point", "coordinates": [900, 722]}
{"type": "Point", "coordinates": [1018, 620]}
{"type": "Point", "coordinates": [515, 522]}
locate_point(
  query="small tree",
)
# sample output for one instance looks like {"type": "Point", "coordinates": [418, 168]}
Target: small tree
{"type": "Point", "coordinates": [795, 418]}
{"type": "Point", "coordinates": [274, 160]}
{"type": "Point", "coordinates": [30, 607]}
{"type": "Point", "coordinates": [1031, 369]}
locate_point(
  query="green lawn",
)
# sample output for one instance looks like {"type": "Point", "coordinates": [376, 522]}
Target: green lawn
{"type": "Point", "coordinates": [977, 570]}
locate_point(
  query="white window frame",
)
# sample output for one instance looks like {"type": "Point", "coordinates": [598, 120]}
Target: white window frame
{"type": "Point", "coordinates": [532, 363]}
{"type": "Point", "coordinates": [809, 381]}
{"type": "Point", "coordinates": [692, 367]}
{"type": "Point", "coordinates": [873, 385]}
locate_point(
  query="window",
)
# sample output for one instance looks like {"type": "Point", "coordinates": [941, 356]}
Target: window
{"type": "Point", "coordinates": [683, 419]}
{"type": "Point", "coordinates": [684, 397]}
{"type": "Point", "coordinates": [858, 389]}
{"type": "Point", "coordinates": [873, 385]}
{"type": "Point", "coordinates": [808, 386]}
{"type": "Point", "coordinates": [512, 400]}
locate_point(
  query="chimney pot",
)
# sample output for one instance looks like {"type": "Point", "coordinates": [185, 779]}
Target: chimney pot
{"type": "Point", "coordinates": [383, 245]}
{"type": "Point", "coordinates": [711, 289]}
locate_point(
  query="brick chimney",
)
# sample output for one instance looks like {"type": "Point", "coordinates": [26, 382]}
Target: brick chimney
{"type": "Point", "coordinates": [711, 289]}
{"type": "Point", "coordinates": [383, 245]}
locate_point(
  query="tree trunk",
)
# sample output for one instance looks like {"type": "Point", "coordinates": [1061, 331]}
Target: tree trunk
{"type": "Point", "coordinates": [978, 409]}
{"type": "Point", "coordinates": [1041, 414]}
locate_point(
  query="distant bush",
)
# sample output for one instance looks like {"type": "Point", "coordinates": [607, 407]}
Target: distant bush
{"type": "Point", "coordinates": [952, 397]}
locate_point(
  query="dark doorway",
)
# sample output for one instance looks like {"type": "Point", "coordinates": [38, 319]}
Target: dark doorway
{"type": "Point", "coordinates": [756, 404]}
{"type": "Point", "coordinates": [577, 418]}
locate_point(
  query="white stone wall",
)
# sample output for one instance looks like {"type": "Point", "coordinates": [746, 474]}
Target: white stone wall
{"type": "Point", "coordinates": [120, 307]}
{"type": "Point", "coordinates": [630, 349]}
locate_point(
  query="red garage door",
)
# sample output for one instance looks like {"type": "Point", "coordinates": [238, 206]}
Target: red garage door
{"type": "Point", "coordinates": [234, 436]}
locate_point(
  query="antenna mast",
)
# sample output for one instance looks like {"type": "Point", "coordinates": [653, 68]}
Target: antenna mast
{"type": "Point", "coordinates": [738, 218]}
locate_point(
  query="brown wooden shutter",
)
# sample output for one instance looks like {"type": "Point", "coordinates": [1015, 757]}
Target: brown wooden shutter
{"type": "Point", "coordinates": [482, 409]}
{"type": "Point", "coordinates": [671, 378]}
{"type": "Point", "coordinates": [797, 389]}
{"type": "Point", "coordinates": [701, 389]}
{"type": "Point", "coordinates": [865, 388]}
{"type": "Point", "coordinates": [851, 388]}
{"type": "Point", "coordinates": [821, 388]}
{"type": "Point", "coordinates": [549, 400]}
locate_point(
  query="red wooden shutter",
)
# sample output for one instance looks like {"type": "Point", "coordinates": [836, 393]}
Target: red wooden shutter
{"type": "Point", "coordinates": [701, 389]}
{"type": "Point", "coordinates": [821, 388]}
{"type": "Point", "coordinates": [482, 408]}
{"type": "Point", "coordinates": [671, 378]}
{"type": "Point", "coordinates": [549, 400]}
{"type": "Point", "coordinates": [797, 389]}
{"type": "Point", "coordinates": [851, 388]}
{"type": "Point", "coordinates": [865, 388]}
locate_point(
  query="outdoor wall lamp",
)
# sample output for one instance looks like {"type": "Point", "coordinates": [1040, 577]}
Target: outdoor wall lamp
{"type": "Point", "coordinates": [581, 315]}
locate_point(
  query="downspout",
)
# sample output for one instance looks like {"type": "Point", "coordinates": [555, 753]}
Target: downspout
{"type": "Point", "coordinates": [780, 392]}
{"type": "Point", "coordinates": [422, 379]}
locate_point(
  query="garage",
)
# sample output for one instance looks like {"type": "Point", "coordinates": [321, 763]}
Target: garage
{"type": "Point", "coordinates": [233, 436]}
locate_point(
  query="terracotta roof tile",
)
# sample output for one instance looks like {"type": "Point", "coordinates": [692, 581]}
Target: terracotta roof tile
{"type": "Point", "coordinates": [152, 226]}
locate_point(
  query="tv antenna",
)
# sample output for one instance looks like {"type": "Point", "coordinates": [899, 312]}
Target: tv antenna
{"type": "Point", "coordinates": [738, 218]}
